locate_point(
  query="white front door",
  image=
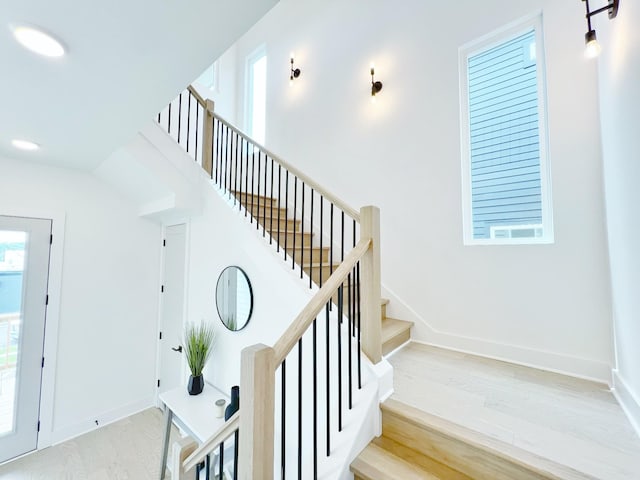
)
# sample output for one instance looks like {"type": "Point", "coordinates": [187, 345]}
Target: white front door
{"type": "Point", "coordinates": [172, 315]}
{"type": "Point", "coordinates": [24, 272]}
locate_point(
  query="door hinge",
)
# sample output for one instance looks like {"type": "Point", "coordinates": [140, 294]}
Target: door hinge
{"type": "Point", "coordinates": [162, 289]}
{"type": "Point", "coordinates": [42, 362]}
{"type": "Point", "coordinates": [158, 383]}
{"type": "Point", "coordinates": [46, 301]}
{"type": "Point", "coordinates": [160, 335]}
{"type": "Point", "coordinates": [38, 425]}
{"type": "Point", "coordinates": [51, 239]}
{"type": "Point", "coordinates": [164, 243]}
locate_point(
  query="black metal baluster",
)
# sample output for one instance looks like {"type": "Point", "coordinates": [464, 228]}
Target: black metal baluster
{"type": "Point", "coordinates": [315, 402]}
{"type": "Point", "coordinates": [258, 210]}
{"type": "Point", "coordinates": [311, 243]}
{"type": "Point", "coordinates": [235, 454]}
{"type": "Point", "coordinates": [227, 171]}
{"type": "Point", "coordinates": [239, 190]}
{"type": "Point", "coordinates": [358, 316]}
{"type": "Point", "coordinates": [271, 219]}
{"type": "Point", "coordinates": [339, 328]}
{"type": "Point", "coordinates": [286, 212]}
{"type": "Point", "coordinates": [349, 337]}
{"type": "Point", "coordinates": [302, 241]}
{"type": "Point", "coordinates": [212, 147]}
{"type": "Point", "coordinates": [159, 117]}
{"type": "Point", "coordinates": [331, 242]}
{"type": "Point", "coordinates": [283, 423]}
{"type": "Point", "coordinates": [321, 235]}
{"type": "Point", "coordinates": [328, 362]}
{"type": "Point", "coordinates": [264, 213]}
{"type": "Point", "coordinates": [179, 115]}
{"type": "Point", "coordinates": [295, 208]}
{"type": "Point", "coordinates": [197, 128]}
{"type": "Point", "coordinates": [235, 175]}
{"type": "Point", "coordinates": [169, 126]}
{"type": "Point", "coordinates": [215, 151]}
{"type": "Point", "coordinates": [207, 466]}
{"type": "Point", "coordinates": [300, 409]}
{"type": "Point", "coordinates": [331, 246]}
{"type": "Point", "coordinates": [342, 251]}
{"type": "Point", "coordinates": [224, 161]}
{"type": "Point", "coordinates": [221, 460]}
{"type": "Point", "coordinates": [253, 169]}
{"type": "Point", "coordinates": [279, 206]}
{"type": "Point", "coordinates": [188, 120]}
{"type": "Point", "coordinates": [353, 321]}
{"type": "Point", "coordinates": [246, 179]}
{"type": "Point", "coordinates": [218, 154]}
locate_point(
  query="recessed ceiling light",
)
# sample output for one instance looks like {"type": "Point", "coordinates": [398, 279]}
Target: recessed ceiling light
{"type": "Point", "coordinates": [25, 145]}
{"type": "Point", "coordinates": [37, 41]}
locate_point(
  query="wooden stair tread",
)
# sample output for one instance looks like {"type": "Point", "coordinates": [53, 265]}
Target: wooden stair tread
{"type": "Point", "coordinates": [384, 301]}
{"type": "Point", "coordinates": [376, 463]}
{"type": "Point", "coordinates": [238, 194]}
{"type": "Point", "coordinates": [392, 327]}
{"type": "Point", "coordinates": [395, 333]}
{"type": "Point", "coordinates": [463, 446]}
{"type": "Point", "coordinates": [409, 454]}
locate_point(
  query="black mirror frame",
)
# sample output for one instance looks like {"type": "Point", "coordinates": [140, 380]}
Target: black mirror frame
{"type": "Point", "coordinates": [250, 297]}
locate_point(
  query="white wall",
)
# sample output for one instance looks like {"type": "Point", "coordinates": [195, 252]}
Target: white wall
{"type": "Point", "coordinates": [224, 91]}
{"type": "Point", "coordinates": [222, 236]}
{"type": "Point", "coordinates": [619, 106]}
{"type": "Point", "coordinates": [545, 305]}
{"type": "Point", "coordinates": [108, 297]}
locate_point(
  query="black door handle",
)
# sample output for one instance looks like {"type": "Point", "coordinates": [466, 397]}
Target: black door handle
{"type": "Point", "coordinates": [179, 349]}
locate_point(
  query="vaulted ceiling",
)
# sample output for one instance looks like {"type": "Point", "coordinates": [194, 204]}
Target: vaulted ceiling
{"type": "Point", "coordinates": [125, 60]}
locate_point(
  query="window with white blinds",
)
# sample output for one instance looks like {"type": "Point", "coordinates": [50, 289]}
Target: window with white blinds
{"type": "Point", "coordinates": [505, 172]}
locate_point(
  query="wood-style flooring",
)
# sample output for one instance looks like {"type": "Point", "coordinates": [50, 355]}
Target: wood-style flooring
{"type": "Point", "coordinates": [125, 450]}
{"type": "Point", "coordinates": [573, 422]}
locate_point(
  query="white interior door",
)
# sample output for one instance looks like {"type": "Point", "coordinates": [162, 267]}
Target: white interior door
{"type": "Point", "coordinates": [24, 272]}
{"type": "Point", "coordinates": [172, 316]}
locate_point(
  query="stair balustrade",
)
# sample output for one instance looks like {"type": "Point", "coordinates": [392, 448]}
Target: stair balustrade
{"type": "Point", "coordinates": [320, 354]}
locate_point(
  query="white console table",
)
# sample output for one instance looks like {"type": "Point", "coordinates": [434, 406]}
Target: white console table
{"type": "Point", "coordinates": [195, 414]}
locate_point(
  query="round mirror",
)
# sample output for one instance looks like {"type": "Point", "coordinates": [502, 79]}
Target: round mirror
{"type": "Point", "coordinates": [234, 298]}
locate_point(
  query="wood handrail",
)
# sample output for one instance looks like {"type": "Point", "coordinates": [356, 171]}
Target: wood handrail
{"type": "Point", "coordinates": [210, 445]}
{"type": "Point", "coordinates": [305, 318]}
{"type": "Point", "coordinates": [353, 213]}
{"type": "Point", "coordinates": [198, 97]}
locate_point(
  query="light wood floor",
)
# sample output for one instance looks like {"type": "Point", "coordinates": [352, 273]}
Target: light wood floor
{"type": "Point", "coordinates": [570, 421]}
{"type": "Point", "coordinates": [128, 449]}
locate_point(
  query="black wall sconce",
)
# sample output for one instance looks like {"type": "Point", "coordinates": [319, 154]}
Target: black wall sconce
{"type": "Point", "coordinates": [592, 46]}
{"type": "Point", "coordinates": [295, 72]}
{"type": "Point", "coordinates": [376, 86]}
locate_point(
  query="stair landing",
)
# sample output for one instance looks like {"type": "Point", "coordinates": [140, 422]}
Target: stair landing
{"type": "Point", "coordinates": [575, 424]}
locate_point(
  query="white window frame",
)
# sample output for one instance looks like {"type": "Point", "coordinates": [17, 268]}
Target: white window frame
{"type": "Point", "coordinates": [258, 53]}
{"type": "Point", "coordinates": [493, 39]}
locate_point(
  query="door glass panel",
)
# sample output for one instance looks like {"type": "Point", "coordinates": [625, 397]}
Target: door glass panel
{"type": "Point", "coordinates": [12, 258]}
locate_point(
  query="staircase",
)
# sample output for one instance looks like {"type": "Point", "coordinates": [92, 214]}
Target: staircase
{"type": "Point", "coordinates": [314, 261]}
{"type": "Point", "coordinates": [336, 339]}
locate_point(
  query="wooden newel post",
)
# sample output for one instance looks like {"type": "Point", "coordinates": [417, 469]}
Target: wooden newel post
{"type": "Point", "coordinates": [257, 400]}
{"type": "Point", "coordinates": [371, 322]}
{"type": "Point", "coordinates": [207, 137]}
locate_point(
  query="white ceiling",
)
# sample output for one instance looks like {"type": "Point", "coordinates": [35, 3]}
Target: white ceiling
{"type": "Point", "coordinates": [125, 60]}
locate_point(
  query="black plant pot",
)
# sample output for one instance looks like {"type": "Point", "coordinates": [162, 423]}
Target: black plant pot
{"type": "Point", "coordinates": [196, 384]}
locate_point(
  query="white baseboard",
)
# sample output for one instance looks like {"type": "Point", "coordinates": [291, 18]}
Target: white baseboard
{"type": "Point", "coordinates": [67, 433]}
{"type": "Point", "coordinates": [425, 333]}
{"type": "Point", "coordinates": [628, 400]}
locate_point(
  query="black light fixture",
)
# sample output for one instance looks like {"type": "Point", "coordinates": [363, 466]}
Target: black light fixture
{"type": "Point", "coordinates": [376, 86]}
{"type": "Point", "coordinates": [295, 72]}
{"type": "Point", "coordinates": [592, 46]}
